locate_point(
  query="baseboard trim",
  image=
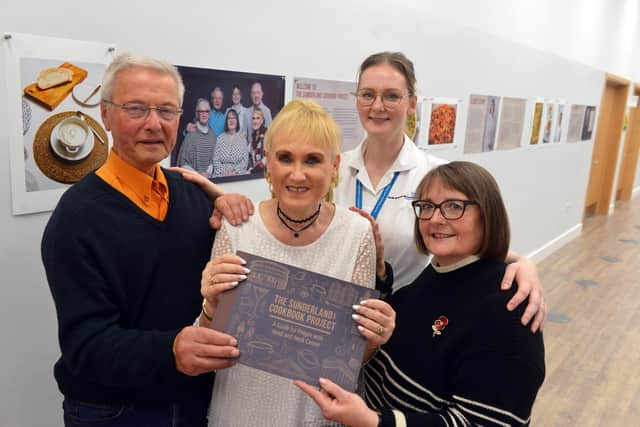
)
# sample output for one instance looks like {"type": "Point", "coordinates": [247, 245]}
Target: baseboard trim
{"type": "Point", "coordinates": [548, 248]}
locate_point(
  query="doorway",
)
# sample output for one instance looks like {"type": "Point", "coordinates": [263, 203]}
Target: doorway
{"type": "Point", "coordinates": [606, 145]}
{"type": "Point", "coordinates": [629, 162]}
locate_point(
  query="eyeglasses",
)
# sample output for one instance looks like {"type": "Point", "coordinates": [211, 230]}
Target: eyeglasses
{"type": "Point", "coordinates": [138, 111]}
{"type": "Point", "coordinates": [450, 209]}
{"type": "Point", "coordinates": [366, 98]}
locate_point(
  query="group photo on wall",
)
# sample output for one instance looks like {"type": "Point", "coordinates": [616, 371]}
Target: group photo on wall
{"type": "Point", "coordinates": [226, 115]}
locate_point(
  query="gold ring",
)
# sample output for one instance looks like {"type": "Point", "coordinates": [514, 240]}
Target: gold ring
{"type": "Point", "coordinates": [381, 330]}
{"type": "Point", "coordinates": [211, 281]}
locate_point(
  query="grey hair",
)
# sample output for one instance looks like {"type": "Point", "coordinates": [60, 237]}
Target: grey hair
{"type": "Point", "coordinates": [131, 60]}
{"type": "Point", "coordinates": [201, 101]}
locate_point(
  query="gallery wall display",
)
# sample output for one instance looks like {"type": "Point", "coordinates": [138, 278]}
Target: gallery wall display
{"type": "Point", "coordinates": [53, 100]}
{"type": "Point", "coordinates": [559, 122]}
{"type": "Point", "coordinates": [482, 123]}
{"type": "Point", "coordinates": [337, 98]}
{"type": "Point", "coordinates": [576, 119]}
{"type": "Point", "coordinates": [589, 122]}
{"type": "Point", "coordinates": [511, 123]}
{"type": "Point", "coordinates": [439, 121]}
{"type": "Point", "coordinates": [536, 122]}
{"type": "Point", "coordinates": [226, 115]}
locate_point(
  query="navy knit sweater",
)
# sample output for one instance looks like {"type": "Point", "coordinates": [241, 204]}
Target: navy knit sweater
{"type": "Point", "coordinates": [476, 366]}
{"type": "Point", "coordinates": [124, 284]}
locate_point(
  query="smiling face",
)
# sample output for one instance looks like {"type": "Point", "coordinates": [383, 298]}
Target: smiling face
{"type": "Point", "coordinates": [257, 119]}
{"type": "Point", "coordinates": [232, 122]}
{"type": "Point", "coordinates": [203, 112]}
{"type": "Point", "coordinates": [236, 96]}
{"type": "Point", "coordinates": [145, 141]}
{"type": "Point", "coordinates": [380, 121]}
{"type": "Point", "coordinates": [216, 99]}
{"type": "Point", "coordinates": [450, 240]}
{"type": "Point", "coordinates": [256, 93]}
{"type": "Point", "coordinates": [301, 173]}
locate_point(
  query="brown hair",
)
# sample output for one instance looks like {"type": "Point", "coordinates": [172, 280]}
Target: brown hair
{"type": "Point", "coordinates": [395, 59]}
{"type": "Point", "coordinates": [478, 185]}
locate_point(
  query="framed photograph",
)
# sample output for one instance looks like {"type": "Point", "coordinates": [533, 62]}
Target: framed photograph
{"type": "Point", "coordinates": [226, 115]}
{"type": "Point", "coordinates": [53, 101]}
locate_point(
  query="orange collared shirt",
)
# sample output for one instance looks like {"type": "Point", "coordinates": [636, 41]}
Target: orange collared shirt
{"type": "Point", "coordinates": [149, 194]}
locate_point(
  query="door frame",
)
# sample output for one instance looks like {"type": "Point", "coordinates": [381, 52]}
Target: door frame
{"type": "Point", "coordinates": [606, 146]}
{"type": "Point", "coordinates": [630, 152]}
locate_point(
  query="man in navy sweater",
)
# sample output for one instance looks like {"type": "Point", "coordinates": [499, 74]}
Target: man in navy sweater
{"type": "Point", "coordinates": [123, 253]}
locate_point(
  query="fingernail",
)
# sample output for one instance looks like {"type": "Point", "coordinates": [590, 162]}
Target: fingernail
{"type": "Point", "coordinates": [322, 380]}
{"type": "Point", "coordinates": [363, 302]}
{"type": "Point", "coordinates": [235, 352]}
{"type": "Point", "coordinates": [242, 277]}
{"type": "Point", "coordinates": [246, 270]}
{"type": "Point", "coordinates": [360, 328]}
{"type": "Point", "coordinates": [234, 342]}
{"type": "Point", "coordinates": [355, 316]}
{"type": "Point", "coordinates": [234, 283]}
{"type": "Point", "coordinates": [242, 261]}
{"type": "Point", "coordinates": [504, 285]}
{"type": "Point", "coordinates": [356, 307]}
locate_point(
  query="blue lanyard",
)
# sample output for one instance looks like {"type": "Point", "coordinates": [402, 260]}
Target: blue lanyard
{"type": "Point", "coordinates": [381, 199]}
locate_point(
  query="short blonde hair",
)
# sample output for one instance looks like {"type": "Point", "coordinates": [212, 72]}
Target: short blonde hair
{"type": "Point", "coordinates": [309, 121]}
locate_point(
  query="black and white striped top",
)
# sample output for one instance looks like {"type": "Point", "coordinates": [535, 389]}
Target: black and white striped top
{"type": "Point", "coordinates": [482, 368]}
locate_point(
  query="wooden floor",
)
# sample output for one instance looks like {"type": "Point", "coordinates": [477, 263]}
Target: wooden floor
{"type": "Point", "coordinates": [592, 337]}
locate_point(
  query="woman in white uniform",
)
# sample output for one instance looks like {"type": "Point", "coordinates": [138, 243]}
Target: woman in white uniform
{"type": "Point", "coordinates": [381, 174]}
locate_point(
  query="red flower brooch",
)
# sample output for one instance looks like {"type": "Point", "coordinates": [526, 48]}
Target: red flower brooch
{"type": "Point", "coordinates": [440, 323]}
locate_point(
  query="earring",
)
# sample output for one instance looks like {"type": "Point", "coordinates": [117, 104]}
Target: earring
{"type": "Point", "coordinates": [267, 177]}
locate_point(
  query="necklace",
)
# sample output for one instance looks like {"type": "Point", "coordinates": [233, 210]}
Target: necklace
{"type": "Point", "coordinates": [311, 219]}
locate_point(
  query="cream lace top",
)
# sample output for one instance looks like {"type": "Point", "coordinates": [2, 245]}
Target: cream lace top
{"type": "Point", "coordinates": [244, 396]}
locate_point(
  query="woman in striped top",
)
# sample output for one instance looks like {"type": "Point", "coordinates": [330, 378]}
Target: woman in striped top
{"type": "Point", "coordinates": [457, 356]}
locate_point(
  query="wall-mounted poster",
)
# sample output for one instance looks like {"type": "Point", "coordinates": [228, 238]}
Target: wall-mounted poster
{"type": "Point", "coordinates": [337, 98]}
{"type": "Point", "coordinates": [226, 115]}
{"type": "Point", "coordinates": [440, 117]}
{"type": "Point", "coordinates": [576, 118]}
{"type": "Point", "coordinates": [557, 135]}
{"type": "Point", "coordinates": [53, 90]}
{"type": "Point", "coordinates": [547, 124]}
{"type": "Point", "coordinates": [589, 122]}
{"type": "Point", "coordinates": [511, 123]}
{"type": "Point", "coordinates": [536, 122]}
{"type": "Point", "coordinates": [482, 123]}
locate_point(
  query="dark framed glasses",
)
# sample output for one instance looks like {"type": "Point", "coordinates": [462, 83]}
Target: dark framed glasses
{"type": "Point", "coordinates": [449, 209]}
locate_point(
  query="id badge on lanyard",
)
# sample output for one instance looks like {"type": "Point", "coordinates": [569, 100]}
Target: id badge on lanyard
{"type": "Point", "coordinates": [383, 196]}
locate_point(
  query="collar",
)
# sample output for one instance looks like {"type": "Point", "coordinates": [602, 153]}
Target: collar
{"type": "Point", "coordinates": [462, 263]}
{"type": "Point", "coordinates": [406, 160]}
{"type": "Point", "coordinates": [137, 181]}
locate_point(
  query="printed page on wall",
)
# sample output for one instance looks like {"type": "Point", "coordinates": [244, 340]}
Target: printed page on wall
{"type": "Point", "coordinates": [226, 115]}
{"type": "Point", "coordinates": [511, 123]}
{"type": "Point", "coordinates": [337, 98]}
{"type": "Point", "coordinates": [440, 122]}
{"type": "Point", "coordinates": [482, 123]}
{"type": "Point", "coordinates": [547, 124]}
{"type": "Point", "coordinates": [589, 122]}
{"type": "Point", "coordinates": [53, 88]}
{"type": "Point", "coordinates": [536, 122]}
{"type": "Point", "coordinates": [559, 122]}
{"type": "Point", "coordinates": [475, 124]}
{"type": "Point", "coordinates": [576, 118]}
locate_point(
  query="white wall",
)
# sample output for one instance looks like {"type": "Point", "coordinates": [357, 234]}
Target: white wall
{"type": "Point", "coordinates": [544, 187]}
